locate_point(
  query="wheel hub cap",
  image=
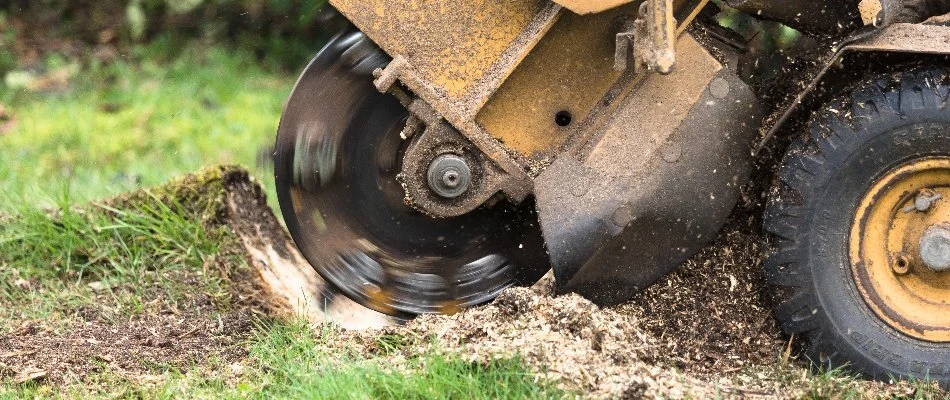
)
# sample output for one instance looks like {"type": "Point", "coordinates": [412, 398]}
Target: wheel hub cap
{"type": "Point", "coordinates": [900, 249]}
{"type": "Point", "coordinates": [935, 248]}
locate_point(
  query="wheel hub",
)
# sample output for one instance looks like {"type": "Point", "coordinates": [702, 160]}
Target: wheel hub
{"type": "Point", "coordinates": [900, 249]}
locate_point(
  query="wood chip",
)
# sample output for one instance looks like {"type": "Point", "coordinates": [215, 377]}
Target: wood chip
{"type": "Point", "coordinates": [189, 333]}
{"type": "Point", "coordinates": [17, 354]}
{"type": "Point", "coordinates": [30, 375]}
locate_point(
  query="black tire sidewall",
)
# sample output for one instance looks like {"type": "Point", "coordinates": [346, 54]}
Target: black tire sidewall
{"type": "Point", "coordinates": [856, 333]}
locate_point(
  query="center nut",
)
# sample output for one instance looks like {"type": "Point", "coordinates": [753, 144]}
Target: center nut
{"type": "Point", "coordinates": [449, 176]}
{"type": "Point", "coordinates": [935, 248]}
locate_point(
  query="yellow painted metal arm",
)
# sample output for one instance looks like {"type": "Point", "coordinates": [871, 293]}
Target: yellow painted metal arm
{"type": "Point", "coordinates": [591, 6]}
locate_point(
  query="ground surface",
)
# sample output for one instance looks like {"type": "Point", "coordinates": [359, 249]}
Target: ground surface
{"type": "Point", "coordinates": [703, 332]}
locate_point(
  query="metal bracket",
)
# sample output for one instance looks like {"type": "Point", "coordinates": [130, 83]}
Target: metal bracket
{"type": "Point", "coordinates": [431, 137]}
{"type": "Point", "coordinates": [624, 44]}
{"type": "Point", "coordinates": [388, 76]}
{"type": "Point", "coordinates": [439, 140]}
{"type": "Point", "coordinates": [653, 36]}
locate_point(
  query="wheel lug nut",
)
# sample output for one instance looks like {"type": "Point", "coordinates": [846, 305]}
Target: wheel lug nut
{"type": "Point", "coordinates": [901, 264]}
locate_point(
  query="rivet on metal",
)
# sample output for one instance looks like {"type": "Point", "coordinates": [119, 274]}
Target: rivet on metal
{"type": "Point", "coordinates": [924, 201]}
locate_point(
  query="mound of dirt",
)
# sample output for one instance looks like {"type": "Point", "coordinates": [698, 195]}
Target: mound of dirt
{"type": "Point", "coordinates": [713, 314]}
{"type": "Point", "coordinates": [603, 352]}
{"type": "Point", "coordinates": [692, 334]}
{"type": "Point", "coordinates": [629, 352]}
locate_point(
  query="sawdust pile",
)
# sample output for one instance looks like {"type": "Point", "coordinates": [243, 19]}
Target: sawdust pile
{"type": "Point", "coordinates": [600, 351]}
{"type": "Point", "coordinates": [705, 331]}
{"type": "Point", "coordinates": [677, 339]}
{"type": "Point", "coordinates": [713, 314]}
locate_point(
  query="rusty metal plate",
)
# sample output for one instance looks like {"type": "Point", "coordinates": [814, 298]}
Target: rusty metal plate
{"type": "Point", "coordinates": [591, 6]}
{"type": "Point", "coordinates": [569, 71]}
{"type": "Point", "coordinates": [895, 39]}
{"type": "Point", "coordinates": [662, 174]}
{"type": "Point", "coordinates": [908, 38]}
{"type": "Point", "coordinates": [647, 120]}
{"type": "Point", "coordinates": [457, 53]}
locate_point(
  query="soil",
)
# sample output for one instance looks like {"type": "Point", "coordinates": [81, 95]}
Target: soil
{"type": "Point", "coordinates": [169, 334]}
{"type": "Point", "coordinates": [139, 347]}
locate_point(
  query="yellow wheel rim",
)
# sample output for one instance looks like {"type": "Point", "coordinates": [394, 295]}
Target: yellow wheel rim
{"type": "Point", "coordinates": [902, 285]}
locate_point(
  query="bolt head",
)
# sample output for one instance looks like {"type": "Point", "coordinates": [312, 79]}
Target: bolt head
{"type": "Point", "coordinates": [925, 199]}
{"type": "Point", "coordinates": [449, 176]}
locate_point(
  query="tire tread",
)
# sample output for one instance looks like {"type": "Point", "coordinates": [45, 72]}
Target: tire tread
{"type": "Point", "coordinates": [832, 134]}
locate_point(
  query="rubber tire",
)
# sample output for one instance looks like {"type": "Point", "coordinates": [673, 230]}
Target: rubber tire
{"type": "Point", "coordinates": [917, 11]}
{"type": "Point", "coordinates": [852, 142]}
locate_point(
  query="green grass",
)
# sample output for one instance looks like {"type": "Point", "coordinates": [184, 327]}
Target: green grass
{"type": "Point", "coordinates": [160, 113]}
{"type": "Point", "coordinates": [299, 366]}
{"type": "Point", "coordinates": [820, 382]}
{"type": "Point", "coordinates": [50, 259]}
{"type": "Point", "coordinates": [294, 360]}
{"type": "Point", "coordinates": [132, 247]}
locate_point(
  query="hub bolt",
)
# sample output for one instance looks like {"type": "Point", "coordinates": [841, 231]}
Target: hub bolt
{"type": "Point", "coordinates": [449, 176]}
{"type": "Point", "coordinates": [901, 264]}
{"type": "Point", "coordinates": [935, 248]}
{"type": "Point", "coordinates": [450, 179]}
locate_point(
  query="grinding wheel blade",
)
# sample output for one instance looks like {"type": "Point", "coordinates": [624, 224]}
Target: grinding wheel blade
{"type": "Point", "coordinates": [338, 153]}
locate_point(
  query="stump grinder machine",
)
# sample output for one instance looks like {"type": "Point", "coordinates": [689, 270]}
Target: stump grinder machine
{"type": "Point", "coordinates": [437, 152]}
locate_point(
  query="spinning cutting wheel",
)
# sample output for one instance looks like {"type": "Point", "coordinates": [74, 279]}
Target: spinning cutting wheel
{"type": "Point", "coordinates": [338, 154]}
